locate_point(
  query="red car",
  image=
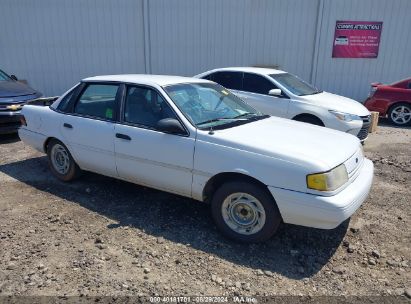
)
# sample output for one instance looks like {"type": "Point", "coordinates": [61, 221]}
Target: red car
{"type": "Point", "coordinates": [392, 100]}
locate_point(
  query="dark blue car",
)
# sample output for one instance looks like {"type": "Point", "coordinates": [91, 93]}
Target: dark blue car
{"type": "Point", "coordinates": [13, 96]}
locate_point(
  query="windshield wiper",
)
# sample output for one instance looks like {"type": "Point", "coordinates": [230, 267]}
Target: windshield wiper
{"type": "Point", "coordinates": [238, 117]}
{"type": "Point", "coordinates": [246, 114]}
{"type": "Point", "coordinates": [218, 119]}
{"type": "Point", "coordinates": [313, 93]}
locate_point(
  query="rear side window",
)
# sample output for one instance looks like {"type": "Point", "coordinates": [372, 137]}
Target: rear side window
{"type": "Point", "coordinates": [98, 100]}
{"type": "Point", "coordinates": [257, 84]}
{"type": "Point", "coordinates": [64, 103]}
{"type": "Point", "coordinates": [230, 80]}
{"type": "Point", "coordinates": [209, 77]}
{"type": "Point", "coordinates": [409, 85]}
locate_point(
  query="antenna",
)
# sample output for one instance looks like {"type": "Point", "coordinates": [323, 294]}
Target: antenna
{"type": "Point", "coordinates": [211, 131]}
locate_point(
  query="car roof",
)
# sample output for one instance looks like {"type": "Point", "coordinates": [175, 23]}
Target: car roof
{"type": "Point", "coordinates": [257, 70]}
{"type": "Point", "coordinates": [146, 79]}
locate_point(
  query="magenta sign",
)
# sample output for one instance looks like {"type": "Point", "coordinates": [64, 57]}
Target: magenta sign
{"type": "Point", "coordinates": [356, 39]}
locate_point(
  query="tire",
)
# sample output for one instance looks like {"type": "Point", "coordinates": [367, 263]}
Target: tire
{"type": "Point", "coordinates": [400, 114]}
{"type": "Point", "coordinates": [231, 202]}
{"type": "Point", "coordinates": [61, 163]}
{"type": "Point", "coordinates": [309, 119]}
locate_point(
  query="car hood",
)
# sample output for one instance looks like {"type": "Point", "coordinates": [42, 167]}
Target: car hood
{"type": "Point", "coordinates": [313, 147]}
{"type": "Point", "coordinates": [337, 103]}
{"type": "Point", "coordinates": [14, 88]}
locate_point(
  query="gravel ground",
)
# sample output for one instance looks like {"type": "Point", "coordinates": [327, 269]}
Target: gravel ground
{"type": "Point", "coordinates": [100, 236]}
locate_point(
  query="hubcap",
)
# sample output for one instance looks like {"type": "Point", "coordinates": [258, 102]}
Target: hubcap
{"type": "Point", "coordinates": [401, 115]}
{"type": "Point", "coordinates": [60, 159]}
{"type": "Point", "coordinates": [243, 213]}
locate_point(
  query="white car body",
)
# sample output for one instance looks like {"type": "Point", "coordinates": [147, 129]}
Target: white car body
{"type": "Point", "coordinates": [318, 105]}
{"type": "Point", "coordinates": [278, 153]}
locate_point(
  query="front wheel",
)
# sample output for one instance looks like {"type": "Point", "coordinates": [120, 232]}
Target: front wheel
{"type": "Point", "coordinates": [245, 212]}
{"type": "Point", "coordinates": [61, 163]}
{"type": "Point", "coordinates": [400, 114]}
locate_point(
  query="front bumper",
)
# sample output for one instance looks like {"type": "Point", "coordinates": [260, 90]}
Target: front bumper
{"type": "Point", "coordinates": [326, 212]}
{"type": "Point", "coordinates": [361, 127]}
{"type": "Point", "coordinates": [9, 121]}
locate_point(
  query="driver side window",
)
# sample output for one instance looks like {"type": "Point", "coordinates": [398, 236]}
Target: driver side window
{"type": "Point", "coordinates": [145, 107]}
{"type": "Point", "coordinates": [257, 84]}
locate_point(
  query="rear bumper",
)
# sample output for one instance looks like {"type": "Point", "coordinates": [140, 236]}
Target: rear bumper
{"type": "Point", "coordinates": [326, 212]}
{"type": "Point", "coordinates": [34, 139]}
{"type": "Point", "coordinates": [9, 122]}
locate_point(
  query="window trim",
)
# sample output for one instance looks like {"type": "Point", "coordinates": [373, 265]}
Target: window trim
{"type": "Point", "coordinates": [81, 88]}
{"type": "Point", "coordinates": [141, 126]}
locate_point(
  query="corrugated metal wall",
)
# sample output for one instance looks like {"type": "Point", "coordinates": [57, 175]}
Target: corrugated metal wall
{"type": "Point", "coordinates": [53, 43]}
{"type": "Point", "coordinates": [197, 35]}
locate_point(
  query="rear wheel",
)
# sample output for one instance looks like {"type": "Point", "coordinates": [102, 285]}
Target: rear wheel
{"type": "Point", "coordinates": [400, 114]}
{"type": "Point", "coordinates": [61, 163]}
{"type": "Point", "coordinates": [245, 212]}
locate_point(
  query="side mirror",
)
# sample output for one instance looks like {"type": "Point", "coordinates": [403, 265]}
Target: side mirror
{"type": "Point", "coordinates": [275, 92]}
{"type": "Point", "coordinates": [13, 77]}
{"type": "Point", "coordinates": [171, 125]}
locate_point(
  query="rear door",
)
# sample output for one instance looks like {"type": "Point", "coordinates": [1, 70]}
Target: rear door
{"type": "Point", "coordinates": [88, 128]}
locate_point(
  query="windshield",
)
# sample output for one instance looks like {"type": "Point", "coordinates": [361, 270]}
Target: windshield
{"type": "Point", "coordinates": [294, 84]}
{"type": "Point", "coordinates": [4, 76]}
{"type": "Point", "coordinates": [209, 104]}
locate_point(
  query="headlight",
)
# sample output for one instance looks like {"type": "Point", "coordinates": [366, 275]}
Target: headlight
{"type": "Point", "coordinates": [345, 116]}
{"type": "Point", "coordinates": [328, 181]}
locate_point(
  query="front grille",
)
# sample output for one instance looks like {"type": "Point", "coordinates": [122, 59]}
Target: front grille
{"type": "Point", "coordinates": [366, 121]}
{"type": "Point", "coordinates": [3, 106]}
{"type": "Point", "coordinates": [10, 124]}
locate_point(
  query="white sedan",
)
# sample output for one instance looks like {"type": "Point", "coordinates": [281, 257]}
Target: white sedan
{"type": "Point", "coordinates": [194, 138]}
{"type": "Point", "coordinates": [282, 94]}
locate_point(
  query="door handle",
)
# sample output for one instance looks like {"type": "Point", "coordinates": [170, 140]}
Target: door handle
{"type": "Point", "coordinates": [123, 136]}
{"type": "Point", "coordinates": [69, 126]}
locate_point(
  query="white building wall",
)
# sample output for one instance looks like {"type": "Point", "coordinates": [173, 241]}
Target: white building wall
{"type": "Point", "coordinates": [53, 44]}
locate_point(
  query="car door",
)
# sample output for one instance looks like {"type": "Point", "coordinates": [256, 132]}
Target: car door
{"type": "Point", "coordinates": [144, 154]}
{"type": "Point", "coordinates": [88, 127]}
{"type": "Point", "coordinates": [255, 92]}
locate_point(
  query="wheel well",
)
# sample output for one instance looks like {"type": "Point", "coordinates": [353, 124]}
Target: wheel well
{"type": "Point", "coordinates": [46, 143]}
{"type": "Point", "coordinates": [395, 104]}
{"type": "Point", "coordinates": [219, 179]}
{"type": "Point", "coordinates": [300, 117]}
